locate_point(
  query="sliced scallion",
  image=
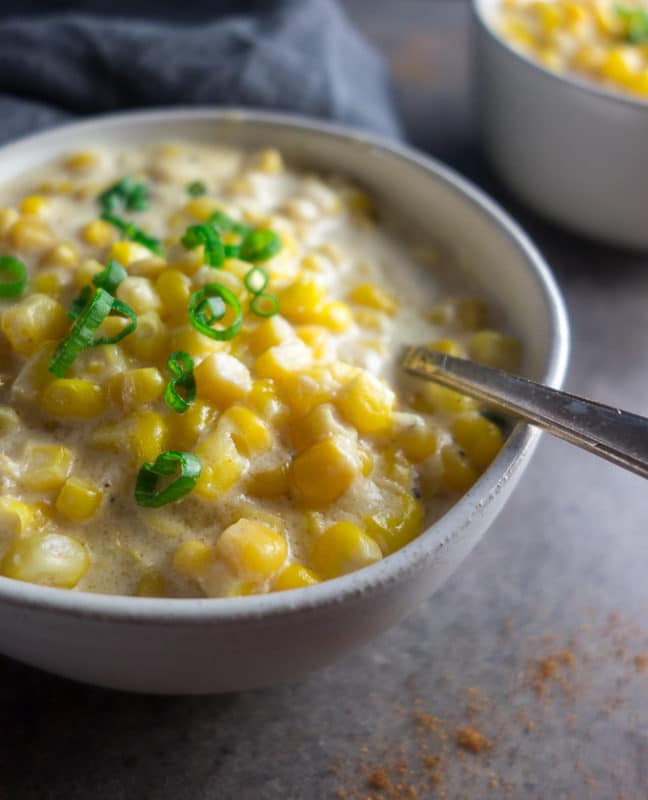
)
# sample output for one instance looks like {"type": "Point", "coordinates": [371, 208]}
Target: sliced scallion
{"type": "Point", "coordinates": [186, 466]}
{"type": "Point", "coordinates": [180, 365]}
{"type": "Point", "coordinates": [260, 246]}
{"type": "Point", "coordinates": [256, 280]}
{"type": "Point", "coordinates": [125, 195]}
{"type": "Point", "coordinates": [13, 277]}
{"type": "Point", "coordinates": [209, 305]}
{"type": "Point", "coordinates": [133, 233]}
{"type": "Point", "coordinates": [197, 188]}
{"type": "Point", "coordinates": [82, 332]}
{"type": "Point", "coordinates": [264, 304]}
{"type": "Point", "coordinates": [205, 235]}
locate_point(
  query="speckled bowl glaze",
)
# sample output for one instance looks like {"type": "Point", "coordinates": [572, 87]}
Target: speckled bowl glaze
{"type": "Point", "coordinates": [197, 646]}
{"type": "Point", "coordinates": [571, 150]}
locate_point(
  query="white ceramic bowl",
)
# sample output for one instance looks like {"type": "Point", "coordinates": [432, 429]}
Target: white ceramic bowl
{"type": "Point", "coordinates": [216, 645]}
{"type": "Point", "coordinates": [573, 151]}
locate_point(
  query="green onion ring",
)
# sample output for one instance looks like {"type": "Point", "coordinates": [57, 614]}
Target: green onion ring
{"type": "Point", "coordinates": [122, 310]}
{"type": "Point", "coordinates": [197, 188]}
{"type": "Point", "coordinates": [18, 277]}
{"type": "Point", "coordinates": [260, 246]}
{"type": "Point", "coordinates": [82, 332]}
{"type": "Point", "coordinates": [199, 319]}
{"type": "Point", "coordinates": [133, 233]}
{"type": "Point", "coordinates": [196, 235]}
{"type": "Point", "coordinates": [180, 365]}
{"type": "Point", "coordinates": [166, 465]}
{"type": "Point", "coordinates": [256, 304]}
{"type": "Point", "coordinates": [251, 276]}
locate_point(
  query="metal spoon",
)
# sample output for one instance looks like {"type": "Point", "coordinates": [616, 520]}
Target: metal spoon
{"type": "Point", "coordinates": [618, 436]}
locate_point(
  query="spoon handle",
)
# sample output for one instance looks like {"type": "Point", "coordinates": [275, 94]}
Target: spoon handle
{"type": "Point", "coordinates": [618, 436]}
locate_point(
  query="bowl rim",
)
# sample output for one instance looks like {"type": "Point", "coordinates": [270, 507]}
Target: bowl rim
{"type": "Point", "coordinates": [479, 8]}
{"type": "Point", "coordinates": [331, 593]}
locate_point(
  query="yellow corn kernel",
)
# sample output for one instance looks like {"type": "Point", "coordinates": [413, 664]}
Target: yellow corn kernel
{"type": "Point", "coordinates": [174, 290]}
{"type": "Point", "coordinates": [185, 429]}
{"type": "Point", "coordinates": [416, 439]}
{"type": "Point", "coordinates": [47, 466]}
{"type": "Point", "coordinates": [81, 161]}
{"type": "Point", "coordinates": [139, 294]}
{"type": "Point", "coordinates": [64, 254]}
{"type": "Point", "coordinates": [250, 434]}
{"type": "Point", "coordinates": [366, 461]}
{"type": "Point", "coordinates": [495, 350]}
{"type": "Point", "coordinates": [188, 261]}
{"type": "Point", "coordinates": [270, 332]}
{"type": "Point", "coordinates": [34, 204]}
{"type": "Point", "coordinates": [639, 83]}
{"type": "Point", "coordinates": [269, 483]}
{"type": "Point", "coordinates": [73, 397]}
{"type": "Point", "coordinates": [34, 375]}
{"type": "Point", "coordinates": [294, 576]}
{"type": "Point", "coordinates": [190, 340]}
{"type": "Point", "coordinates": [98, 233]}
{"type": "Point", "coordinates": [32, 321]}
{"type": "Point", "coordinates": [254, 551]}
{"type": "Point", "coordinates": [270, 161]}
{"type": "Point", "coordinates": [86, 272]}
{"type": "Point", "coordinates": [283, 361]}
{"type": "Point", "coordinates": [479, 438]}
{"type": "Point", "coordinates": [323, 472]}
{"type": "Point", "coordinates": [202, 208]}
{"type": "Point", "coordinates": [127, 252]}
{"type": "Point", "coordinates": [148, 342]}
{"type": "Point", "coordinates": [318, 339]}
{"type": "Point", "coordinates": [151, 584]}
{"type": "Point", "coordinates": [78, 500]}
{"type": "Point", "coordinates": [368, 318]}
{"type": "Point", "coordinates": [191, 558]}
{"type": "Point", "coordinates": [222, 465]}
{"type": "Point", "coordinates": [320, 423]}
{"type": "Point", "coordinates": [619, 65]}
{"type": "Point", "coordinates": [49, 282]}
{"type": "Point", "coordinates": [101, 362]}
{"type": "Point", "coordinates": [519, 33]}
{"type": "Point", "coordinates": [372, 296]}
{"type": "Point", "coordinates": [343, 548]}
{"type": "Point", "coordinates": [7, 218]}
{"type": "Point", "coordinates": [16, 518]}
{"type": "Point", "coordinates": [222, 379]}
{"type": "Point", "coordinates": [549, 15]}
{"type": "Point", "coordinates": [314, 262]}
{"type": "Point", "coordinates": [301, 301]}
{"type": "Point", "coordinates": [397, 468]}
{"type": "Point", "coordinates": [9, 420]}
{"type": "Point", "coordinates": [336, 316]}
{"type": "Point", "coordinates": [136, 387]}
{"type": "Point", "coordinates": [150, 267]}
{"type": "Point", "coordinates": [263, 398]}
{"type": "Point", "coordinates": [50, 559]}
{"type": "Point", "coordinates": [437, 399]}
{"type": "Point", "coordinates": [458, 474]}
{"type": "Point", "coordinates": [449, 346]}
{"type": "Point", "coordinates": [397, 524]}
{"type": "Point", "coordinates": [30, 235]}
{"type": "Point", "coordinates": [148, 436]}
{"type": "Point", "coordinates": [367, 403]}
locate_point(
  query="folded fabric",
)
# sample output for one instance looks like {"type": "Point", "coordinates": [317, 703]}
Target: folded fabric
{"type": "Point", "coordinates": [292, 55]}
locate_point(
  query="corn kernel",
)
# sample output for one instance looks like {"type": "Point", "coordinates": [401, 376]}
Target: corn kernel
{"type": "Point", "coordinates": [127, 252]}
{"type": "Point", "coordinates": [190, 340]}
{"type": "Point", "coordinates": [7, 218]}
{"type": "Point", "coordinates": [458, 475]}
{"type": "Point", "coordinates": [322, 473]}
{"type": "Point", "coordinates": [139, 294]}
{"type": "Point", "coordinates": [34, 204]}
{"type": "Point", "coordinates": [202, 208]}
{"type": "Point", "coordinates": [136, 387]}
{"type": "Point", "coordinates": [283, 361]}
{"type": "Point", "coordinates": [479, 438]}
{"type": "Point", "coordinates": [367, 404]}
{"type": "Point", "coordinates": [470, 313]}
{"type": "Point", "coordinates": [98, 233]}
{"type": "Point", "coordinates": [30, 235]}
{"type": "Point", "coordinates": [270, 161]}
{"type": "Point", "coordinates": [64, 254]}
{"type": "Point", "coordinates": [49, 282]}
{"type": "Point", "coordinates": [270, 332]}
{"type": "Point", "coordinates": [81, 161]}
{"type": "Point", "coordinates": [50, 559]}
{"type": "Point", "coordinates": [269, 483]}
{"type": "Point", "coordinates": [191, 558]}
{"type": "Point", "coordinates": [253, 550]}
{"type": "Point", "coordinates": [263, 398]}
{"type": "Point", "coordinates": [294, 576]}
{"type": "Point", "coordinates": [372, 296]}
{"type": "Point", "coordinates": [32, 321]}
{"type": "Point", "coordinates": [86, 272]}
{"type": "Point", "coordinates": [185, 429]}
{"type": "Point", "coordinates": [336, 316]}
{"type": "Point", "coordinates": [318, 339]}
{"type": "Point", "coordinates": [301, 301]}
{"type": "Point", "coordinates": [148, 436]}
{"type": "Point", "coordinates": [438, 399]}
{"type": "Point", "coordinates": [495, 350]}
{"type": "Point", "coordinates": [308, 390]}
{"type": "Point", "coordinates": [78, 500]}
{"type": "Point", "coordinates": [319, 424]}
{"type": "Point", "coordinates": [397, 524]}
{"type": "Point", "coordinates": [222, 379]}
{"type": "Point", "coordinates": [73, 397]}
{"type": "Point", "coordinates": [151, 584]}
{"type": "Point", "coordinates": [343, 548]}
{"type": "Point", "coordinates": [415, 438]}
{"type": "Point", "coordinates": [47, 466]}
{"type": "Point", "coordinates": [16, 518]}
{"type": "Point", "coordinates": [250, 434]}
{"type": "Point", "coordinates": [222, 465]}
{"type": "Point", "coordinates": [450, 347]}
{"type": "Point", "coordinates": [174, 290]}
{"type": "Point", "coordinates": [34, 375]}
{"type": "Point", "coordinates": [9, 420]}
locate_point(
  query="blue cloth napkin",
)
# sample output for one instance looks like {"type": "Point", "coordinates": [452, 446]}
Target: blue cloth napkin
{"type": "Point", "coordinates": [292, 55]}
